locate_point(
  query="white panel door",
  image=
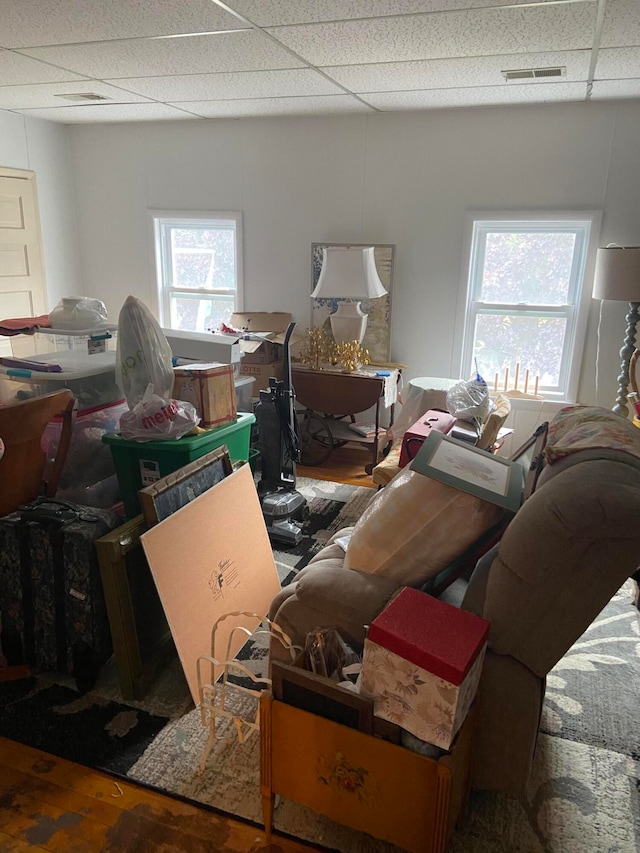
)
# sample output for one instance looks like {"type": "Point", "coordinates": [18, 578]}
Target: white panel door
{"type": "Point", "coordinates": [22, 285]}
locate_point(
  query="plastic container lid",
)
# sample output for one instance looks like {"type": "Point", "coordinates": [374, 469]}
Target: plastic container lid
{"type": "Point", "coordinates": [74, 366]}
{"type": "Point", "coordinates": [77, 333]}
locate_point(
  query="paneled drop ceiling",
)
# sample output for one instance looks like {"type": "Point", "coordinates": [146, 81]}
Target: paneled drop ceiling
{"type": "Point", "coordinates": [74, 61]}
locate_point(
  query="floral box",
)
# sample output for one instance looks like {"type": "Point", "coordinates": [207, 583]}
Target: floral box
{"type": "Point", "coordinates": [210, 388]}
{"type": "Point", "coordinates": [422, 664]}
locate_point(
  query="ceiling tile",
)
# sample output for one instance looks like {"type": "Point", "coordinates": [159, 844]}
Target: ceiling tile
{"type": "Point", "coordinates": [615, 89]}
{"type": "Point", "coordinates": [247, 84]}
{"type": "Point", "coordinates": [30, 23]}
{"type": "Point", "coordinates": [16, 69]}
{"type": "Point", "coordinates": [453, 73]}
{"type": "Point", "coordinates": [326, 105]}
{"type": "Point", "coordinates": [540, 92]}
{"type": "Point", "coordinates": [479, 32]}
{"type": "Point", "coordinates": [44, 94]}
{"type": "Point", "coordinates": [244, 51]}
{"type": "Point", "coordinates": [617, 63]}
{"type": "Point", "coordinates": [109, 112]}
{"type": "Point", "coordinates": [621, 26]}
{"type": "Point", "coordinates": [272, 13]}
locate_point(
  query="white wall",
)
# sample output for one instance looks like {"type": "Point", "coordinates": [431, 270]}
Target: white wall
{"type": "Point", "coordinates": [43, 147]}
{"type": "Point", "coordinates": [402, 178]}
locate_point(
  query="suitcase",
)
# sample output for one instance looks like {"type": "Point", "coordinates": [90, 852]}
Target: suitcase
{"type": "Point", "coordinates": [52, 605]}
{"type": "Point", "coordinates": [413, 439]}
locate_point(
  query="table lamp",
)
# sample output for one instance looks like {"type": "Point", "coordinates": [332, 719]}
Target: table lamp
{"type": "Point", "coordinates": [617, 278]}
{"type": "Point", "coordinates": [348, 274]}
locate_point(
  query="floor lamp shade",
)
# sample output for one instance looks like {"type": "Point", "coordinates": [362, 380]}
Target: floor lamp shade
{"type": "Point", "coordinates": [349, 274]}
{"type": "Point", "coordinates": [617, 278]}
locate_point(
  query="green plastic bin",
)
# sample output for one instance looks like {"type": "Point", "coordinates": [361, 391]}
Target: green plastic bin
{"type": "Point", "coordinates": [140, 463]}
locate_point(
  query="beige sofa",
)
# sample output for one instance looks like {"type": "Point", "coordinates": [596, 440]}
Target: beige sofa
{"type": "Point", "coordinates": [563, 556]}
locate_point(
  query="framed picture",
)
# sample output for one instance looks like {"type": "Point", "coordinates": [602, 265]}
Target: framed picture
{"type": "Point", "coordinates": [142, 641]}
{"type": "Point", "coordinates": [377, 339]}
{"type": "Point", "coordinates": [169, 494]}
{"type": "Point", "coordinates": [459, 464]}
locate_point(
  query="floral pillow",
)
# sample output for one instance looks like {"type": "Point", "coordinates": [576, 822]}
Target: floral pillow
{"type": "Point", "coordinates": [577, 428]}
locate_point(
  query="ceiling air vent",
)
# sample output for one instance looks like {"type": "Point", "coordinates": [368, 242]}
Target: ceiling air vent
{"type": "Point", "coordinates": [83, 97]}
{"type": "Point", "coordinates": [533, 73]}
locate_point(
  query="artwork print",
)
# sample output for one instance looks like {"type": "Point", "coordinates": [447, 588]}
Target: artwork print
{"type": "Point", "coordinates": [477, 470]}
{"type": "Point", "coordinates": [461, 465]}
{"type": "Point", "coordinates": [377, 339]}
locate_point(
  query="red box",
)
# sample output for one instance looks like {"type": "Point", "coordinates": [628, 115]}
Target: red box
{"type": "Point", "coordinates": [422, 664]}
{"type": "Point", "coordinates": [416, 434]}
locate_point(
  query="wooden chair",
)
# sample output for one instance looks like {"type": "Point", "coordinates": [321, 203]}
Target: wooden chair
{"type": "Point", "coordinates": [494, 422]}
{"type": "Point", "coordinates": [22, 467]}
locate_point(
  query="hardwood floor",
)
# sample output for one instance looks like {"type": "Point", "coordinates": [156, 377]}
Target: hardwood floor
{"type": "Point", "coordinates": [344, 465]}
{"type": "Point", "coordinates": [47, 803]}
{"type": "Point", "coordinates": [50, 804]}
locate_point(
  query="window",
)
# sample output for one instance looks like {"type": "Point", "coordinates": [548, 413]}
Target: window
{"type": "Point", "coordinates": [526, 304]}
{"type": "Point", "coordinates": [198, 265]}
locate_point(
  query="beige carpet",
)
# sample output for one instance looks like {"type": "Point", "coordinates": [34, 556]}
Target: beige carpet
{"type": "Point", "coordinates": [580, 798]}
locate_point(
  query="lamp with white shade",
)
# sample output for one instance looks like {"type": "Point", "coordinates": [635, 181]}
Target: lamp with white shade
{"type": "Point", "coordinates": [617, 278]}
{"type": "Point", "coordinates": [348, 274]}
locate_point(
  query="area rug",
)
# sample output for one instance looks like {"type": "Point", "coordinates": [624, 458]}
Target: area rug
{"type": "Point", "coordinates": [584, 787]}
{"type": "Point", "coordinates": [583, 794]}
{"type": "Point", "coordinates": [88, 729]}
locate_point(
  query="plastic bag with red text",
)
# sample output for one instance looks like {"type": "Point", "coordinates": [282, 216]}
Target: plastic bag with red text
{"type": "Point", "coordinates": [156, 418]}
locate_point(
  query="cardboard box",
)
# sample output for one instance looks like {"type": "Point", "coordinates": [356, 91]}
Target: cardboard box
{"type": "Point", "coordinates": [422, 664]}
{"type": "Point", "coordinates": [266, 332]}
{"type": "Point", "coordinates": [262, 373]}
{"type": "Point", "coordinates": [211, 389]}
{"type": "Point", "coordinates": [204, 348]}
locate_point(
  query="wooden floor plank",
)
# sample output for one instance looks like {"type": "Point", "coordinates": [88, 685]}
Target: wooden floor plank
{"type": "Point", "coordinates": [92, 811]}
{"type": "Point", "coordinates": [46, 791]}
{"type": "Point", "coordinates": [29, 819]}
{"type": "Point", "coordinates": [8, 844]}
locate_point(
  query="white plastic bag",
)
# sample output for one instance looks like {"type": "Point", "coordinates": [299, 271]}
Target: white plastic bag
{"type": "Point", "coordinates": [155, 418]}
{"type": "Point", "coordinates": [469, 400]}
{"type": "Point", "coordinates": [78, 312]}
{"type": "Point", "coordinates": [143, 354]}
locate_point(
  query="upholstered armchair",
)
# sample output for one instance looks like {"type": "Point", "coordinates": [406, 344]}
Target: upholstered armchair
{"type": "Point", "coordinates": [563, 556]}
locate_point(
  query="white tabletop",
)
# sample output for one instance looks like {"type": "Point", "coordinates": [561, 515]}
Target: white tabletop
{"type": "Point", "coordinates": [418, 396]}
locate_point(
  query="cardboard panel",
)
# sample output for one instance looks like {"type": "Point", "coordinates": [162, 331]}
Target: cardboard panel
{"type": "Point", "coordinates": [210, 558]}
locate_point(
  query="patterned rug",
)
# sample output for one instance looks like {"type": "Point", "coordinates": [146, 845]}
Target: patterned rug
{"type": "Point", "coordinates": [584, 787]}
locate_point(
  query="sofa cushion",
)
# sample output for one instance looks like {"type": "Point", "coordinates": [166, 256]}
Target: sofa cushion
{"type": "Point", "coordinates": [578, 428]}
{"type": "Point", "coordinates": [415, 527]}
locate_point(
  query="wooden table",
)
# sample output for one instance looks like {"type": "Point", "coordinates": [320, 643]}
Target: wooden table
{"type": "Point", "coordinates": [335, 396]}
{"type": "Point", "coordinates": [360, 780]}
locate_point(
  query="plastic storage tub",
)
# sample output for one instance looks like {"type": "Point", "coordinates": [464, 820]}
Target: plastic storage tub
{"type": "Point", "coordinates": [92, 378]}
{"type": "Point", "coordinates": [244, 392]}
{"type": "Point", "coordinates": [82, 342]}
{"type": "Point", "coordinates": [89, 476]}
{"type": "Point", "coordinates": [140, 463]}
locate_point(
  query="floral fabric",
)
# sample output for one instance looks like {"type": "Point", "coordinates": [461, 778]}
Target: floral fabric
{"type": "Point", "coordinates": [577, 428]}
{"type": "Point", "coordinates": [424, 704]}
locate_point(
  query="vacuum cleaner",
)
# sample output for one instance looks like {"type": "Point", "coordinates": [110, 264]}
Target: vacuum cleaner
{"type": "Point", "coordinates": [284, 509]}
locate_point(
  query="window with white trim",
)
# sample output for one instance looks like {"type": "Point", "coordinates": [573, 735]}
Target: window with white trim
{"type": "Point", "coordinates": [526, 306]}
{"type": "Point", "coordinates": [199, 268]}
